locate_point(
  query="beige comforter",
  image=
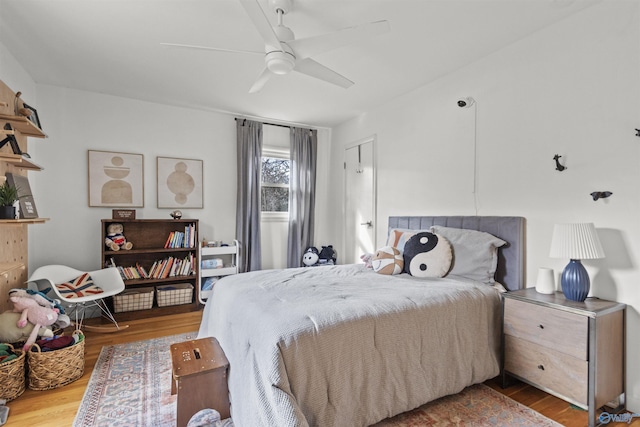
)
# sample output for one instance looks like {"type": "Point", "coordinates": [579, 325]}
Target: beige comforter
{"type": "Point", "coordinates": [344, 346]}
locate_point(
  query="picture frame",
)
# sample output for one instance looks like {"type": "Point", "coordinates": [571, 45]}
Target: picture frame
{"type": "Point", "coordinates": [27, 204]}
{"type": "Point", "coordinates": [180, 183]}
{"type": "Point", "coordinates": [115, 179]}
{"type": "Point", "coordinates": [34, 118]}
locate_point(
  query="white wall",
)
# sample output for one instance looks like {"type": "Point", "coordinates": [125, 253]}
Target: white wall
{"type": "Point", "coordinates": [78, 121]}
{"type": "Point", "coordinates": [571, 89]}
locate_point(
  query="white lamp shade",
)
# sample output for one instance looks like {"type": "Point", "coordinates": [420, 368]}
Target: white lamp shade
{"type": "Point", "coordinates": [576, 241]}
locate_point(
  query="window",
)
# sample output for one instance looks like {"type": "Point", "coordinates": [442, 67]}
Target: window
{"type": "Point", "coordinates": [275, 183]}
{"type": "Point", "coordinates": [276, 165]}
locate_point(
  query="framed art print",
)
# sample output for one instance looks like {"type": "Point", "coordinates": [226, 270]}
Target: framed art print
{"type": "Point", "coordinates": [116, 179]}
{"type": "Point", "coordinates": [179, 183]}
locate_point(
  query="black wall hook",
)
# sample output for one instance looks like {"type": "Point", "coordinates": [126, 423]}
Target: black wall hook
{"type": "Point", "coordinates": [637, 132]}
{"type": "Point", "coordinates": [559, 167]}
{"type": "Point", "coordinates": [601, 194]}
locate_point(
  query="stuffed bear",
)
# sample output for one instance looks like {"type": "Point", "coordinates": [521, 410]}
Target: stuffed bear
{"type": "Point", "coordinates": [115, 238]}
{"type": "Point", "coordinates": [328, 255]}
{"type": "Point", "coordinates": [310, 257]}
{"type": "Point", "coordinates": [387, 260]}
{"type": "Point", "coordinates": [32, 312]}
{"type": "Point", "coordinates": [10, 332]}
{"type": "Point", "coordinates": [427, 255]}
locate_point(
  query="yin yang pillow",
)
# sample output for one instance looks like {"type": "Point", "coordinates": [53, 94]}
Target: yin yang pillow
{"type": "Point", "coordinates": [427, 255]}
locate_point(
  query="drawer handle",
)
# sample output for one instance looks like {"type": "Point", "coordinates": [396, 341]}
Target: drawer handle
{"type": "Point", "coordinates": [541, 326]}
{"type": "Point", "coordinates": [541, 367]}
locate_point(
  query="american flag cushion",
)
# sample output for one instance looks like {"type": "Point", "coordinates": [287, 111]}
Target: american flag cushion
{"type": "Point", "coordinates": [81, 286]}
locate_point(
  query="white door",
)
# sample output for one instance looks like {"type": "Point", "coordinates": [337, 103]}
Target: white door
{"type": "Point", "coordinates": [360, 198]}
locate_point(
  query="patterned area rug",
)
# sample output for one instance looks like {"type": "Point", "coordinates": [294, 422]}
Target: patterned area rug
{"type": "Point", "coordinates": [131, 386]}
{"type": "Point", "coordinates": [478, 405]}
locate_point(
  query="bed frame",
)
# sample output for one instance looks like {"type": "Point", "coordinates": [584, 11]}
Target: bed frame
{"type": "Point", "coordinates": [511, 229]}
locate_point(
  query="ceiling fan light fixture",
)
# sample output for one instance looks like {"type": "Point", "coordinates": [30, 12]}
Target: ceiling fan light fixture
{"type": "Point", "coordinates": [280, 62]}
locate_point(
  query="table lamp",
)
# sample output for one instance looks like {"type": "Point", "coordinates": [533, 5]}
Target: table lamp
{"type": "Point", "coordinates": [576, 242]}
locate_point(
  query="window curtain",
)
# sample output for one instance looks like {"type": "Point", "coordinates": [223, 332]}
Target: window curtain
{"type": "Point", "coordinates": [302, 186]}
{"type": "Point", "coordinates": [249, 135]}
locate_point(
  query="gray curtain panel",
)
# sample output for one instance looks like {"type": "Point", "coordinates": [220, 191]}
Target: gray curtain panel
{"type": "Point", "coordinates": [249, 135]}
{"type": "Point", "coordinates": [302, 187]}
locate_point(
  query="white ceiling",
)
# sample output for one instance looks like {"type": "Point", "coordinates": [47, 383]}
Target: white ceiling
{"type": "Point", "coordinates": [113, 47]}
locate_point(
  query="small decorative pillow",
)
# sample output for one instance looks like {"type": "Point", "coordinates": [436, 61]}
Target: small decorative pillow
{"type": "Point", "coordinates": [475, 253]}
{"type": "Point", "coordinates": [81, 286]}
{"type": "Point", "coordinates": [387, 260]}
{"type": "Point", "coordinates": [427, 255]}
{"type": "Point", "coordinates": [398, 237]}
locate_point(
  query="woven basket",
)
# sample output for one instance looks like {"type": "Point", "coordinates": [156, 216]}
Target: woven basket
{"type": "Point", "coordinates": [12, 377]}
{"type": "Point", "coordinates": [56, 368]}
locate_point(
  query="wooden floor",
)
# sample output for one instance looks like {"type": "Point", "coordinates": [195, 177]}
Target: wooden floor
{"type": "Point", "coordinates": [58, 407]}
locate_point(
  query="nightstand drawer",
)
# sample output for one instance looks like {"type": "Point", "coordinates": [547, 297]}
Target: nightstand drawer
{"type": "Point", "coordinates": [544, 367]}
{"type": "Point", "coordinates": [560, 330]}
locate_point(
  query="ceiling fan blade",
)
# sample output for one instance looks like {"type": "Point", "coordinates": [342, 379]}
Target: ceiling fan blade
{"type": "Point", "coordinates": [190, 46]}
{"type": "Point", "coordinates": [311, 46]}
{"type": "Point", "coordinates": [260, 81]}
{"type": "Point", "coordinates": [261, 22]}
{"type": "Point", "coordinates": [314, 69]}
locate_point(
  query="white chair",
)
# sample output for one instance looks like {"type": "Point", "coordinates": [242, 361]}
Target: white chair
{"type": "Point", "coordinates": [45, 278]}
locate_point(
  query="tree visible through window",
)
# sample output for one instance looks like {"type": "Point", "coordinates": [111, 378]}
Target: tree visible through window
{"type": "Point", "coordinates": [275, 184]}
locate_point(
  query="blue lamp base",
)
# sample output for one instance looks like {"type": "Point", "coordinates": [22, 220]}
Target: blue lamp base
{"type": "Point", "coordinates": [575, 281]}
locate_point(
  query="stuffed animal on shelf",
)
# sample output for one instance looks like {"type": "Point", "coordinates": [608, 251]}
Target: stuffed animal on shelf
{"type": "Point", "coordinates": [328, 256]}
{"type": "Point", "coordinates": [32, 312]}
{"type": "Point", "coordinates": [311, 256]}
{"type": "Point", "coordinates": [10, 332]}
{"type": "Point", "coordinates": [115, 239]}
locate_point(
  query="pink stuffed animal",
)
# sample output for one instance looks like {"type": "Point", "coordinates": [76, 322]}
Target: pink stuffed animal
{"type": "Point", "coordinates": [34, 313]}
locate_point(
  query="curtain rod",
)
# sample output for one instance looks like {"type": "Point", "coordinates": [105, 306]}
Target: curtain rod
{"type": "Point", "coordinates": [265, 123]}
{"type": "Point", "coordinates": [270, 124]}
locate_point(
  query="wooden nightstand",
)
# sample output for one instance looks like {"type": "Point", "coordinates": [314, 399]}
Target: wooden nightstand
{"type": "Point", "coordinates": [573, 350]}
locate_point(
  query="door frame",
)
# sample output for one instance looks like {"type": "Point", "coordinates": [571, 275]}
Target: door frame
{"type": "Point", "coordinates": [374, 197]}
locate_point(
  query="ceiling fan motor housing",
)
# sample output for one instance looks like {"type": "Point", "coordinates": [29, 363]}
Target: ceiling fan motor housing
{"type": "Point", "coordinates": [281, 59]}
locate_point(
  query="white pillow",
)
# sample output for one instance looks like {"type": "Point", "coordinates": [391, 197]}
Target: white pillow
{"type": "Point", "coordinates": [475, 253]}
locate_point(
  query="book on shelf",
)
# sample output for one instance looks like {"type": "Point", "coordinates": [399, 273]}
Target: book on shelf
{"type": "Point", "coordinates": [180, 239]}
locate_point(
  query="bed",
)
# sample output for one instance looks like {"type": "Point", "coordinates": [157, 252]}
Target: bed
{"type": "Point", "coordinates": [344, 346]}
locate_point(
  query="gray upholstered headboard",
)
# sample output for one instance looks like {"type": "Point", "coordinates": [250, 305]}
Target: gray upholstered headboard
{"type": "Point", "coordinates": [511, 229]}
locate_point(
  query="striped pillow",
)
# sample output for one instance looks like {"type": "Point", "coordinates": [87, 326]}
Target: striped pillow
{"type": "Point", "coordinates": [81, 286]}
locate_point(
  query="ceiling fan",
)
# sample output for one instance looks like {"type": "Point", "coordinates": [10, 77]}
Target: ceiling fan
{"type": "Point", "coordinates": [283, 53]}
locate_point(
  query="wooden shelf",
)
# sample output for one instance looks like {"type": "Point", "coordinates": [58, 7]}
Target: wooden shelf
{"type": "Point", "coordinates": [8, 267]}
{"type": "Point", "coordinates": [23, 125]}
{"type": "Point", "coordinates": [167, 251]}
{"type": "Point", "coordinates": [24, 221]}
{"type": "Point", "coordinates": [20, 162]}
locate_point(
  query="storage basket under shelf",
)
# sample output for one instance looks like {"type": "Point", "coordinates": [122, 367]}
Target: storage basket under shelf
{"type": "Point", "coordinates": [133, 299]}
{"type": "Point", "coordinates": [55, 368]}
{"type": "Point", "coordinates": [174, 294]}
{"type": "Point", "coordinates": [12, 376]}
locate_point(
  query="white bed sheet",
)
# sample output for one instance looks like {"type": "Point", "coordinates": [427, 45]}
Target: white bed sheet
{"type": "Point", "coordinates": [344, 346]}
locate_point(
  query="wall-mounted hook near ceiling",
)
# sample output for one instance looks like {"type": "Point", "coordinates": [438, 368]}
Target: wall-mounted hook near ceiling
{"type": "Point", "coordinates": [600, 195]}
{"type": "Point", "coordinates": [559, 167]}
{"type": "Point", "coordinates": [637, 132]}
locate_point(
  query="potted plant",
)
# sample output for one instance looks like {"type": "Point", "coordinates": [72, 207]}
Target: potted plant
{"type": "Point", "coordinates": [8, 197]}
